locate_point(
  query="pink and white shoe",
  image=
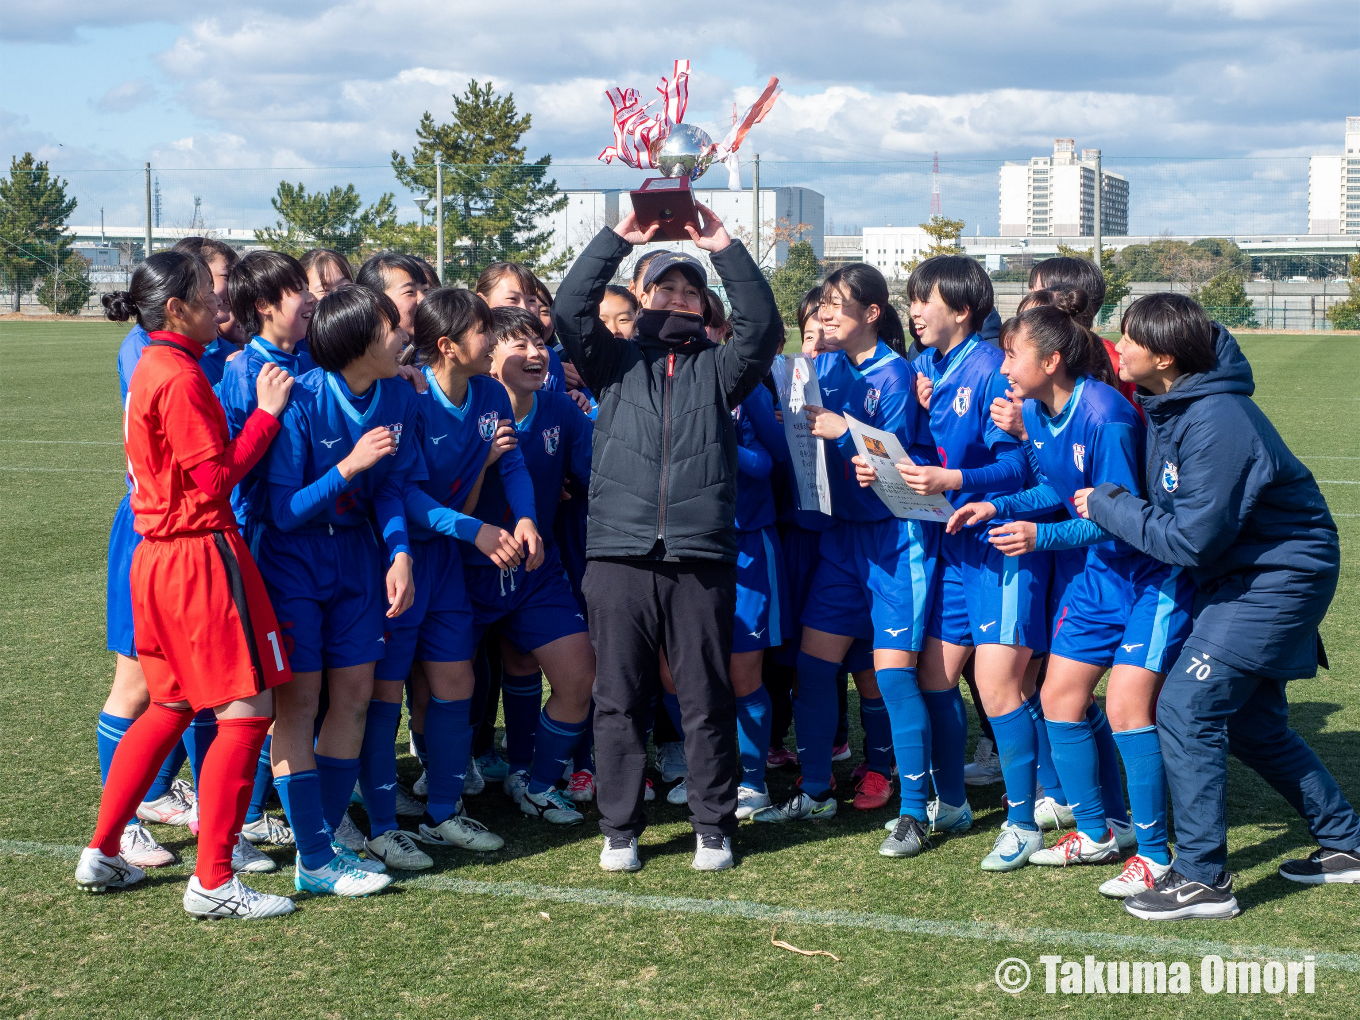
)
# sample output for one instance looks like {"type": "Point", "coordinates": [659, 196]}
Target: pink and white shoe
{"type": "Point", "coordinates": [1139, 875]}
{"type": "Point", "coordinates": [779, 757]}
{"type": "Point", "coordinates": [138, 847]}
{"type": "Point", "coordinates": [1078, 848]}
{"type": "Point", "coordinates": [581, 786]}
{"type": "Point", "coordinates": [841, 752]}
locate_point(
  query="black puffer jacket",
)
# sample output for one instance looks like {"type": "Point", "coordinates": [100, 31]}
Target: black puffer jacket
{"type": "Point", "coordinates": [663, 476]}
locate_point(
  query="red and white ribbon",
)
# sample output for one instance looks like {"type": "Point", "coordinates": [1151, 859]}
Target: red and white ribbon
{"type": "Point", "coordinates": [636, 129]}
{"type": "Point", "coordinates": [726, 150]}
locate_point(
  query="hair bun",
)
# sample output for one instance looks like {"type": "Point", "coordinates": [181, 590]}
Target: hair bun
{"type": "Point", "coordinates": [1072, 301]}
{"type": "Point", "coordinates": [119, 306]}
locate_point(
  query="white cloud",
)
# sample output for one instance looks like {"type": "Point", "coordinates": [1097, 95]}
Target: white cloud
{"type": "Point", "coordinates": [126, 96]}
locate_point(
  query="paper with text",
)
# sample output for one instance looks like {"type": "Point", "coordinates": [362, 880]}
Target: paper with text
{"type": "Point", "coordinates": [882, 450]}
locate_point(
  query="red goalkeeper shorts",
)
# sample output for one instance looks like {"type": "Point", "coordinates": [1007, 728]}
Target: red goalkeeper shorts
{"type": "Point", "coordinates": [206, 631]}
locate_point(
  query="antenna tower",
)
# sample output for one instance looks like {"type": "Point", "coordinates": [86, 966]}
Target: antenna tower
{"type": "Point", "coordinates": [935, 209]}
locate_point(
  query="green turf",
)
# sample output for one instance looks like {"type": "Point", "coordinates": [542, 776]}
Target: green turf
{"type": "Point", "coordinates": [445, 946]}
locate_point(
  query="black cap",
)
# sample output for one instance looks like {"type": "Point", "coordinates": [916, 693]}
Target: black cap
{"type": "Point", "coordinates": [686, 263]}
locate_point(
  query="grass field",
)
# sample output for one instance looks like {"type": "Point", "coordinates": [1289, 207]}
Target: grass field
{"type": "Point", "coordinates": [537, 930]}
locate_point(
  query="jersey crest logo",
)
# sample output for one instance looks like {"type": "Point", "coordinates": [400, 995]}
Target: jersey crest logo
{"type": "Point", "coordinates": [1079, 456]}
{"type": "Point", "coordinates": [871, 402]}
{"type": "Point", "coordinates": [1171, 477]}
{"type": "Point", "coordinates": [396, 434]}
{"type": "Point", "coordinates": [550, 438]}
{"type": "Point", "coordinates": [963, 397]}
{"type": "Point", "coordinates": [486, 425]}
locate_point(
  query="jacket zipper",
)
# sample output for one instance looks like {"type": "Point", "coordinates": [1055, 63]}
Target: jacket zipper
{"type": "Point", "coordinates": [665, 446]}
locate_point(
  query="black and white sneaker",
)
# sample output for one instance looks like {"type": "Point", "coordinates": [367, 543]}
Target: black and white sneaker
{"type": "Point", "coordinates": [1174, 897]}
{"type": "Point", "coordinates": [908, 838]}
{"type": "Point", "coordinates": [1324, 865]}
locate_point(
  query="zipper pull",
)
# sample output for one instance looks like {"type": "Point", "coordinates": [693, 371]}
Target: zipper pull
{"type": "Point", "coordinates": [670, 364]}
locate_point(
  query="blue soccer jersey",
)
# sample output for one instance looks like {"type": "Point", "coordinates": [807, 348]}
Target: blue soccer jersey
{"type": "Point", "coordinates": [554, 442]}
{"type": "Point", "coordinates": [760, 442]}
{"type": "Point", "coordinates": [236, 392]}
{"type": "Point", "coordinates": [214, 359]}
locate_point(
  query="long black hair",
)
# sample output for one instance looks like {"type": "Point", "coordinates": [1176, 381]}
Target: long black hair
{"type": "Point", "coordinates": [1050, 329]}
{"type": "Point", "coordinates": [866, 285]}
{"type": "Point", "coordinates": [164, 275]}
{"type": "Point", "coordinates": [1075, 303]}
{"type": "Point", "coordinates": [450, 312]}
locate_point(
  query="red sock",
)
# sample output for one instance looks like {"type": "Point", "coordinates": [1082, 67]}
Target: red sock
{"type": "Point", "coordinates": [133, 770]}
{"type": "Point", "coordinates": [224, 787]}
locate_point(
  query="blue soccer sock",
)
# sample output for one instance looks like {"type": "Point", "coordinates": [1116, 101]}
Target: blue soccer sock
{"type": "Point", "coordinates": [448, 735]}
{"type": "Point", "coordinates": [198, 738]}
{"type": "Point", "coordinates": [814, 721]}
{"type": "Point", "coordinates": [1048, 775]}
{"type": "Point", "coordinates": [554, 749]}
{"type": "Point", "coordinates": [948, 736]}
{"type": "Point", "coordinates": [911, 737]}
{"type": "Point", "coordinates": [523, 700]}
{"type": "Point", "coordinates": [108, 732]}
{"type": "Point", "coordinates": [755, 716]}
{"type": "Point", "coordinates": [422, 755]}
{"type": "Point", "coordinates": [1142, 754]}
{"type": "Point", "coordinates": [1107, 753]}
{"type": "Point", "coordinates": [378, 766]}
{"type": "Point", "coordinates": [878, 746]}
{"type": "Point", "coordinates": [337, 777]}
{"type": "Point", "coordinates": [264, 782]}
{"type": "Point", "coordinates": [300, 794]}
{"type": "Point", "coordinates": [1075, 757]}
{"type": "Point", "coordinates": [1017, 748]}
{"type": "Point", "coordinates": [584, 756]}
{"type": "Point", "coordinates": [672, 706]}
{"type": "Point", "coordinates": [170, 769]}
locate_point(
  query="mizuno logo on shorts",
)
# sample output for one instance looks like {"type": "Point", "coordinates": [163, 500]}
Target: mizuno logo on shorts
{"type": "Point", "coordinates": [1129, 648]}
{"type": "Point", "coordinates": [756, 633]}
{"type": "Point", "coordinates": [895, 632]}
{"type": "Point", "coordinates": [983, 626]}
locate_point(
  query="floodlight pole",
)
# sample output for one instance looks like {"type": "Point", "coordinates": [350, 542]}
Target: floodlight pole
{"type": "Point", "coordinates": [1099, 194]}
{"type": "Point", "coordinates": [147, 254]}
{"type": "Point", "coordinates": [439, 216]}
{"type": "Point", "coordinates": [755, 210]}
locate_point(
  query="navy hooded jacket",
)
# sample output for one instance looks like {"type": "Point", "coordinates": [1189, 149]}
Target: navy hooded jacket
{"type": "Point", "coordinates": [1230, 502]}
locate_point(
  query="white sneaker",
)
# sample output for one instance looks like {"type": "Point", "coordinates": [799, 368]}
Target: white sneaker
{"type": "Point", "coordinates": [186, 791]}
{"type": "Point", "coordinates": [474, 782]}
{"type": "Point", "coordinates": [1077, 848]}
{"type": "Point", "coordinates": [712, 852]}
{"type": "Point", "coordinates": [1013, 848]}
{"type": "Point", "coordinates": [96, 873]}
{"type": "Point", "coordinates": [516, 784]}
{"type": "Point", "coordinates": [337, 878]}
{"type": "Point", "coordinates": [946, 817]}
{"type": "Point", "coordinates": [408, 806]}
{"type": "Point", "coordinates": [1050, 815]}
{"type": "Point", "coordinates": [172, 808]}
{"type": "Point", "coordinates": [678, 794]}
{"type": "Point", "coordinates": [750, 801]}
{"type": "Point", "coordinates": [244, 857]}
{"type": "Point", "coordinates": [347, 834]}
{"type": "Point", "coordinates": [139, 847]}
{"type": "Point", "coordinates": [268, 829]}
{"type": "Point", "coordinates": [551, 806]}
{"type": "Point", "coordinates": [235, 899]}
{"type": "Point", "coordinates": [985, 768]}
{"type": "Point", "coordinates": [581, 787]}
{"type": "Point", "coordinates": [648, 790]}
{"type": "Point", "coordinates": [620, 853]}
{"type": "Point", "coordinates": [799, 806]}
{"type": "Point", "coordinates": [421, 787]}
{"type": "Point", "coordinates": [459, 831]}
{"type": "Point", "coordinates": [670, 760]}
{"type": "Point", "coordinates": [1123, 833]}
{"type": "Point", "coordinates": [1139, 875]}
{"type": "Point", "coordinates": [352, 858]}
{"type": "Point", "coordinates": [396, 849]}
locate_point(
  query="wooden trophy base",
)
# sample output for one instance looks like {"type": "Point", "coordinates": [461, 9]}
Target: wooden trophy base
{"type": "Point", "coordinates": [669, 202]}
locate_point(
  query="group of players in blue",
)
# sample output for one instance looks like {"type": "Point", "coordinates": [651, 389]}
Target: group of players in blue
{"type": "Point", "coordinates": [423, 506]}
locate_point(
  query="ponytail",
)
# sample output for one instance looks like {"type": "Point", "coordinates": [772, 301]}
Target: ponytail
{"type": "Point", "coordinates": [164, 275]}
{"type": "Point", "coordinates": [866, 285]}
{"type": "Point", "coordinates": [448, 311]}
{"type": "Point", "coordinates": [1074, 304]}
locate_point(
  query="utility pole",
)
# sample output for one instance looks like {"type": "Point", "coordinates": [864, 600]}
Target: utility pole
{"type": "Point", "coordinates": [439, 216]}
{"type": "Point", "coordinates": [147, 253]}
{"type": "Point", "coordinates": [1099, 196]}
{"type": "Point", "coordinates": [755, 210]}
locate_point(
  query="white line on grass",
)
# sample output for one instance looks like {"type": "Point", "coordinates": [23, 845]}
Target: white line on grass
{"type": "Point", "coordinates": [1336, 481]}
{"type": "Point", "coordinates": [101, 442]}
{"type": "Point", "coordinates": [67, 471]}
{"type": "Point", "coordinates": [746, 910]}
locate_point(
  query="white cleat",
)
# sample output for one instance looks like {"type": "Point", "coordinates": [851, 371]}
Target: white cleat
{"type": "Point", "coordinates": [337, 878]}
{"type": "Point", "coordinates": [244, 857]}
{"type": "Point", "coordinates": [473, 783]}
{"type": "Point", "coordinates": [797, 807]}
{"type": "Point", "coordinates": [173, 808]}
{"type": "Point", "coordinates": [678, 794]}
{"type": "Point", "coordinates": [946, 817]}
{"type": "Point", "coordinates": [581, 787]}
{"type": "Point", "coordinates": [268, 829]}
{"type": "Point", "coordinates": [235, 899]}
{"type": "Point", "coordinates": [551, 806]}
{"type": "Point", "coordinates": [1013, 848]}
{"type": "Point", "coordinates": [347, 834]}
{"type": "Point", "coordinates": [460, 831]}
{"type": "Point", "coordinates": [138, 847]}
{"type": "Point", "coordinates": [985, 768]}
{"type": "Point", "coordinates": [421, 787]}
{"type": "Point", "coordinates": [1077, 848]}
{"type": "Point", "coordinates": [620, 853]}
{"type": "Point", "coordinates": [648, 790]}
{"type": "Point", "coordinates": [408, 806]}
{"type": "Point", "coordinates": [712, 852]}
{"type": "Point", "coordinates": [350, 857]}
{"type": "Point", "coordinates": [516, 784]}
{"type": "Point", "coordinates": [1049, 815]}
{"type": "Point", "coordinates": [1139, 875]}
{"type": "Point", "coordinates": [750, 801]}
{"type": "Point", "coordinates": [396, 849]}
{"type": "Point", "coordinates": [96, 873]}
{"type": "Point", "coordinates": [1123, 833]}
{"type": "Point", "coordinates": [670, 761]}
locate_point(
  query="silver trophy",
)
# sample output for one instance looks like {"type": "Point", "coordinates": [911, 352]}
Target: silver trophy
{"type": "Point", "coordinates": [686, 152]}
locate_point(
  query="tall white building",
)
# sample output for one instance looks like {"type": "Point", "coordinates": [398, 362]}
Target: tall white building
{"type": "Point", "coordinates": [1054, 196]}
{"type": "Point", "coordinates": [890, 249]}
{"type": "Point", "coordinates": [1334, 187]}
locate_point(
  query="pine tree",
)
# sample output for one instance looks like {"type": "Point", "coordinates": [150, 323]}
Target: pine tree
{"type": "Point", "coordinates": [1225, 299]}
{"type": "Point", "coordinates": [67, 291]}
{"type": "Point", "coordinates": [34, 209]}
{"type": "Point", "coordinates": [493, 199]}
{"type": "Point", "coordinates": [944, 234]}
{"type": "Point", "coordinates": [799, 274]}
{"type": "Point", "coordinates": [332, 219]}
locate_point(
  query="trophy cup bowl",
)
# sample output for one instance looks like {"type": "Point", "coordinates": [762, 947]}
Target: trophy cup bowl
{"type": "Point", "coordinates": [682, 156]}
{"type": "Point", "coordinates": [685, 152]}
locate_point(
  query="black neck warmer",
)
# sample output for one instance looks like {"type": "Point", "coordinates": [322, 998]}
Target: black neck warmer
{"type": "Point", "coordinates": [671, 327]}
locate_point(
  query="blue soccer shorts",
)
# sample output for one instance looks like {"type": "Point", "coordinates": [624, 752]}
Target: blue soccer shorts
{"type": "Point", "coordinates": [762, 591]}
{"type": "Point", "coordinates": [329, 592]}
{"type": "Point", "coordinates": [1131, 610]}
{"type": "Point", "coordinates": [875, 581]}
{"type": "Point", "coordinates": [123, 542]}
{"type": "Point", "coordinates": [534, 608]}
{"type": "Point", "coordinates": [985, 598]}
{"type": "Point", "coordinates": [446, 630]}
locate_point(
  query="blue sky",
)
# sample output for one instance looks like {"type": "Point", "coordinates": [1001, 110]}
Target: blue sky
{"type": "Point", "coordinates": [107, 86]}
